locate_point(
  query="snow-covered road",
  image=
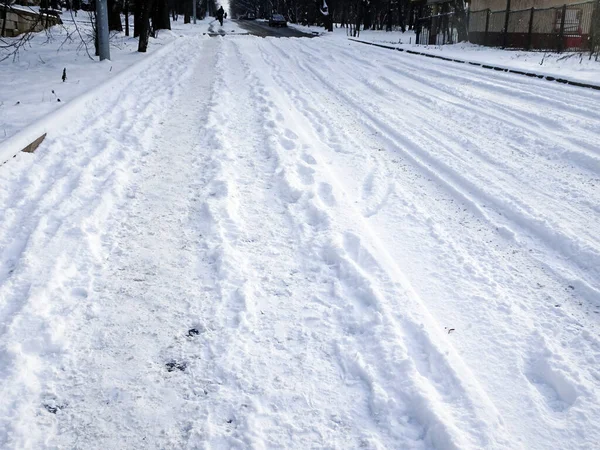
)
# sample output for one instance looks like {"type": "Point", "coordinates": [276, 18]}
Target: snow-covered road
{"type": "Point", "coordinates": [306, 243]}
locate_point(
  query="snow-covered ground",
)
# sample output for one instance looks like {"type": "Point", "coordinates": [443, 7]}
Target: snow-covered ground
{"type": "Point", "coordinates": [305, 243]}
{"type": "Point", "coordinates": [32, 85]}
{"type": "Point", "coordinates": [576, 66]}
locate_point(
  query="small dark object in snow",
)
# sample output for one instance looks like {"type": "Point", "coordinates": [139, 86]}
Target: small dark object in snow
{"type": "Point", "coordinates": [58, 99]}
{"type": "Point", "coordinates": [557, 306]}
{"type": "Point", "coordinates": [450, 330]}
{"type": "Point", "coordinates": [53, 409]}
{"type": "Point", "coordinates": [571, 287]}
{"type": "Point", "coordinates": [230, 421]}
{"type": "Point", "coordinates": [34, 145]}
{"type": "Point", "coordinates": [64, 75]}
{"type": "Point", "coordinates": [174, 365]}
{"type": "Point", "coordinates": [193, 332]}
{"type": "Point", "coordinates": [18, 103]}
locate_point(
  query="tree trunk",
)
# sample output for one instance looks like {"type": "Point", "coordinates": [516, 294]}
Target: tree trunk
{"type": "Point", "coordinates": [137, 17]}
{"type": "Point", "coordinates": [126, 12]}
{"type": "Point", "coordinates": [145, 8]}
{"type": "Point", "coordinates": [114, 16]}
{"type": "Point", "coordinates": [461, 20]}
{"type": "Point", "coordinates": [160, 15]}
{"type": "Point", "coordinates": [187, 15]}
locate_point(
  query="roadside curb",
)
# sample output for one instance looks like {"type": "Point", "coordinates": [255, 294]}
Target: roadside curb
{"type": "Point", "coordinates": [488, 66]}
{"type": "Point", "coordinates": [21, 140]}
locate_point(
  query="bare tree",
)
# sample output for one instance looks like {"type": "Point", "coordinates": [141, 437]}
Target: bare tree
{"type": "Point", "coordinates": [10, 47]}
{"type": "Point", "coordinates": [160, 15]}
{"type": "Point", "coordinates": [114, 15]}
{"type": "Point", "coordinates": [145, 7]}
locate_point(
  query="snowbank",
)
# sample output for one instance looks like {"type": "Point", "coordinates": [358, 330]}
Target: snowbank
{"type": "Point", "coordinates": [575, 66]}
{"type": "Point", "coordinates": [32, 81]}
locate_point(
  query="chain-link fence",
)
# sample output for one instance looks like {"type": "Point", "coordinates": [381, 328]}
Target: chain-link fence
{"type": "Point", "coordinates": [567, 27]}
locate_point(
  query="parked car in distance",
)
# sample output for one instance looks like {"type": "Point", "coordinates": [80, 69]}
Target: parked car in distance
{"type": "Point", "coordinates": [248, 16]}
{"type": "Point", "coordinates": [277, 20]}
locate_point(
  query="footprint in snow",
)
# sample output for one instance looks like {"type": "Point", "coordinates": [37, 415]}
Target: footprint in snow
{"type": "Point", "coordinates": [326, 194]}
{"type": "Point", "coordinates": [308, 159]}
{"type": "Point", "coordinates": [290, 134]}
{"type": "Point", "coordinates": [287, 143]}
{"type": "Point", "coordinates": [176, 365]}
{"type": "Point", "coordinates": [305, 174]}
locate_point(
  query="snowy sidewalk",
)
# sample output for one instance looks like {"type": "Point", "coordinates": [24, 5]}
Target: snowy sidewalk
{"type": "Point", "coordinates": [289, 249]}
{"type": "Point", "coordinates": [32, 85]}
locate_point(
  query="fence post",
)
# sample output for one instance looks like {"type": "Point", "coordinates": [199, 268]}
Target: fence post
{"type": "Point", "coordinates": [506, 19]}
{"type": "Point", "coordinates": [561, 33]}
{"type": "Point", "coordinates": [468, 24]}
{"type": "Point", "coordinates": [595, 29]}
{"type": "Point", "coordinates": [487, 26]}
{"type": "Point", "coordinates": [530, 28]}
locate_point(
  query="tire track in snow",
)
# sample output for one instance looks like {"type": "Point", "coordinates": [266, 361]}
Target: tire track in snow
{"type": "Point", "coordinates": [569, 214]}
{"type": "Point", "coordinates": [418, 340]}
{"type": "Point", "coordinates": [443, 94]}
{"type": "Point", "coordinates": [290, 324]}
{"type": "Point", "coordinates": [439, 95]}
{"type": "Point", "coordinates": [528, 91]}
{"type": "Point", "coordinates": [572, 252]}
{"type": "Point", "coordinates": [434, 138]}
{"type": "Point", "coordinates": [292, 83]}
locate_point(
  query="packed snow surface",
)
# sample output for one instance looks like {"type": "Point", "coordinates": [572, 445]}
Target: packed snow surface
{"type": "Point", "coordinates": [305, 243]}
{"type": "Point", "coordinates": [575, 66]}
{"type": "Point", "coordinates": [32, 79]}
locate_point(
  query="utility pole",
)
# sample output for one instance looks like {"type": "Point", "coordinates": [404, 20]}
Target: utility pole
{"type": "Point", "coordinates": [102, 29]}
{"type": "Point", "coordinates": [194, 10]}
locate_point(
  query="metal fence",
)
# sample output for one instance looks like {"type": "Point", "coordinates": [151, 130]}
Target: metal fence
{"type": "Point", "coordinates": [567, 27]}
{"type": "Point", "coordinates": [437, 30]}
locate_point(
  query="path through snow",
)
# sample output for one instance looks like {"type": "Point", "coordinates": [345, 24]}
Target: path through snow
{"type": "Point", "coordinates": [306, 243]}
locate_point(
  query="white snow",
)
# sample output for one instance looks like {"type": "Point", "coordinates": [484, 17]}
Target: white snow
{"type": "Point", "coordinates": [32, 85]}
{"type": "Point", "coordinates": [576, 66]}
{"type": "Point", "coordinates": [305, 243]}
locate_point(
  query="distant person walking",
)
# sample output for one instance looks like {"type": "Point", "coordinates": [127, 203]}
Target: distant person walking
{"type": "Point", "coordinates": [220, 14]}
